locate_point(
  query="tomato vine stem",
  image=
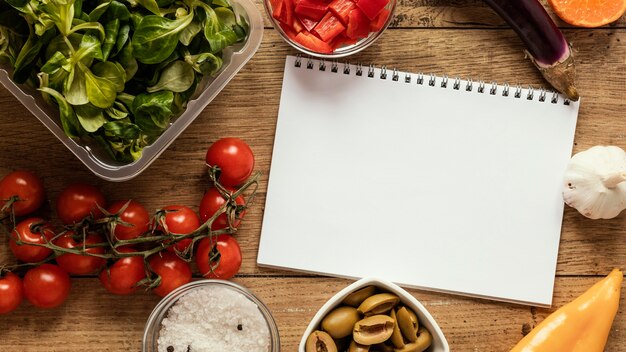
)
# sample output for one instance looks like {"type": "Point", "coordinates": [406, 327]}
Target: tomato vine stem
{"type": "Point", "coordinates": [151, 242]}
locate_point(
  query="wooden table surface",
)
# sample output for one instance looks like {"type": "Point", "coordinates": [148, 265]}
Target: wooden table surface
{"type": "Point", "coordinates": [455, 37]}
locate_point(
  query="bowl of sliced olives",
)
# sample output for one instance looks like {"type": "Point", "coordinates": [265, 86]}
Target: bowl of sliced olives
{"type": "Point", "coordinates": [373, 315]}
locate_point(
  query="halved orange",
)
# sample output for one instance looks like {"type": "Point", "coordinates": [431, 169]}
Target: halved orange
{"type": "Point", "coordinates": [588, 13]}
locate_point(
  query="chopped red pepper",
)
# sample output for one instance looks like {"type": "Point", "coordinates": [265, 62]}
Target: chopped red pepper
{"type": "Point", "coordinates": [329, 27]}
{"type": "Point", "coordinates": [308, 23]}
{"type": "Point", "coordinates": [312, 42]}
{"type": "Point", "coordinates": [325, 25]}
{"type": "Point", "coordinates": [371, 8]}
{"type": "Point", "coordinates": [342, 40]}
{"type": "Point", "coordinates": [297, 25]}
{"type": "Point", "coordinates": [311, 9]}
{"type": "Point", "coordinates": [378, 23]}
{"type": "Point", "coordinates": [341, 9]}
{"type": "Point", "coordinates": [284, 11]}
{"type": "Point", "coordinates": [358, 25]}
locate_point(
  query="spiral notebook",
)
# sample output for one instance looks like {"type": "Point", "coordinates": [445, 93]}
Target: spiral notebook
{"type": "Point", "coordinates": [430, 182]}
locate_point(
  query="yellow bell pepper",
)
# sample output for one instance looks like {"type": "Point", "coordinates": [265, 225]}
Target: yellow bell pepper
{"type": "Point", "coordinates": [582, 325]}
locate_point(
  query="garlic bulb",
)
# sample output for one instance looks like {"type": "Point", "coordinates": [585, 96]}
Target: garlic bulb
{"type": "Point", "coordinates": [594, 182]}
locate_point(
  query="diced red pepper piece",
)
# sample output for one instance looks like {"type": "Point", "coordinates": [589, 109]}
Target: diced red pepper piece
{"type": "Point", "coordinates": [378, 22]}
{"type": "Point", "coordinates": [284, 12]}
{"type": "Point", "coordinates": [371, 8]}
{"type": "Point", "coordinates": [341, 9]}
{"type": "Point", "coordinates": [297, 25]}
{"type": "Point", "coordinates": [358, 25]}
{"type": "Point", "coordinates": [329, 27]}
{"type": "Point", "coordinates": [275, 4]}
{"type": "Point", "coordinates": [308, 23]}
{"type": "Point", "coordinates": [290, 32]}
{"type": "Point", "coordinates": [311, 9]}
{"type": "Point", "coordinates": [278, 10]}
{"type": "Point", "coordinates": [342, 40]}
{"type": "Point", "coordinates": [312, 42]}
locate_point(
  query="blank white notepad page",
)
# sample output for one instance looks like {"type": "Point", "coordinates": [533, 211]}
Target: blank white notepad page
{"type": "Point", "coordinates": [436, 188]}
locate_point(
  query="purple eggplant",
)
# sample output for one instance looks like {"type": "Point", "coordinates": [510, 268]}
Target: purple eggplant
{"type": "Point", "coordinates": [545, 43]}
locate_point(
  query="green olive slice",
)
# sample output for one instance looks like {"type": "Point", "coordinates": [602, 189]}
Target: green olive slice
{"type": "Point", "coordinates": [396, 335]}
{"type": "Point", "coordinates": [357, 297]}
{"type": "Point", "coordinates": [319, 341]}
{"type": "Point", "coordinates": [356, 347]}
{"type": "Point", "coordinates": [424, 340]}
{"type": "Point", "coordinates": [340, 321]}
{"type": "Point", "coordinates": [383, 347]}
{"type": "Point", "coordinates": [378, 304]}
{"type": "Point", "coordinates": [372, 330]}
{"type": "Point", "coordinates": [408, 323]}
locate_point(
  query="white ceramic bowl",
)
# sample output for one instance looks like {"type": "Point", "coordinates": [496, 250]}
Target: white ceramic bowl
{"type": "Point", "coordinates": [439, 340]}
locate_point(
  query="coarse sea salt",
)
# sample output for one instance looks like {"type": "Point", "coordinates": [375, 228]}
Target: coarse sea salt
{"type": "Point", "coordinates": [214, 319]}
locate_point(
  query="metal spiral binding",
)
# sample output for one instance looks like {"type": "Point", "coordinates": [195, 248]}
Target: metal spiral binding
{"type": "Point", "coordinates": [444, 82]}
{"type": "Point", "coordinates": [505, 91]}
{"type": "Point", "coordinates": [555, 98]}
{"type": "Point", "coordinates": [541, 94]}
{"type": "Point", "coordinates": [431, 80]}
{"type": "Point", "coordinates": [457, 83]}
{"type": "Point", "coordinates": [359, 69]}
{"type": "Point", "coordinates": [322, 65]}
{"type": "Point", "coordinates": [494, 88]}
{"type": "Point", "coordinates": [420, 79]}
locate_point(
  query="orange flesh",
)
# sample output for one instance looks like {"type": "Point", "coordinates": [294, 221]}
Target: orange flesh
{"type": "Point", "coordinates": [588, 13]}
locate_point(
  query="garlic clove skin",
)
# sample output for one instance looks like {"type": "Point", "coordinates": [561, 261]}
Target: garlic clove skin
{"type": "Point", "coordinates": [594, 182]}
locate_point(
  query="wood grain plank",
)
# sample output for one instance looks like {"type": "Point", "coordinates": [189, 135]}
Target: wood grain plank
{"type": "Point", "coordinates": [97, 321]}
{"type": "Point", "coordinates": [248, 108]}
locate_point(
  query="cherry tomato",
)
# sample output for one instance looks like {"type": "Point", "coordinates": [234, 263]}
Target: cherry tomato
{"type": "Point", "coordinates": [122, 277]}
{"type": "Point", "coordinates": [211, 203]}
{"type": "Point", "coordinates": [46, 286]}
{"type": "Point", "coordinates": [76, 264]}
{"type": "Point", "coordinates": [27, 187]}
{"type": "Point", "coordinates": [78, 201]}
{"type": "Point", "coordinates": [134, 214]}
{"type": "Point", "coordinates": [29, 253]}
{"type": "Point", "coordinates": [229, 260]}
{"type": "Point", "coordinates": [174, 272]}
{"type": "Point", "coordinates": [180, 220]}
{"type": "Point", "coordinates": [11, 293]}
{"type": "Point", "coordinates": [234, 158]}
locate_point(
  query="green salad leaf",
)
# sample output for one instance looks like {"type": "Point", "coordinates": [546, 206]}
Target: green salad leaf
{"type": "Point", "coordinates": [118, 71]}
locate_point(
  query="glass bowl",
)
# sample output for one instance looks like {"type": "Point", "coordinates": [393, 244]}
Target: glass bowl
{"type": "Point", "coordinates": [238, 316]}
{"type": "Point", "coordinates": [341, 51]}
{"type": "Point", "coordinates": [439, 342]}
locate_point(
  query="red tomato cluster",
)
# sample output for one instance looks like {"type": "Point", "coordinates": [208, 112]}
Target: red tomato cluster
{"type": "Point", "coordinates": [84, 244]}
{"type": "Point", "coordinates": [323, 25]}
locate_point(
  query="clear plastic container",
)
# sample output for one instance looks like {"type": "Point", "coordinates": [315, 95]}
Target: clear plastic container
{"type": "Point", "coordinates": [96, 159]}
{"type": "Point", "coordinates": [153, 326]}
